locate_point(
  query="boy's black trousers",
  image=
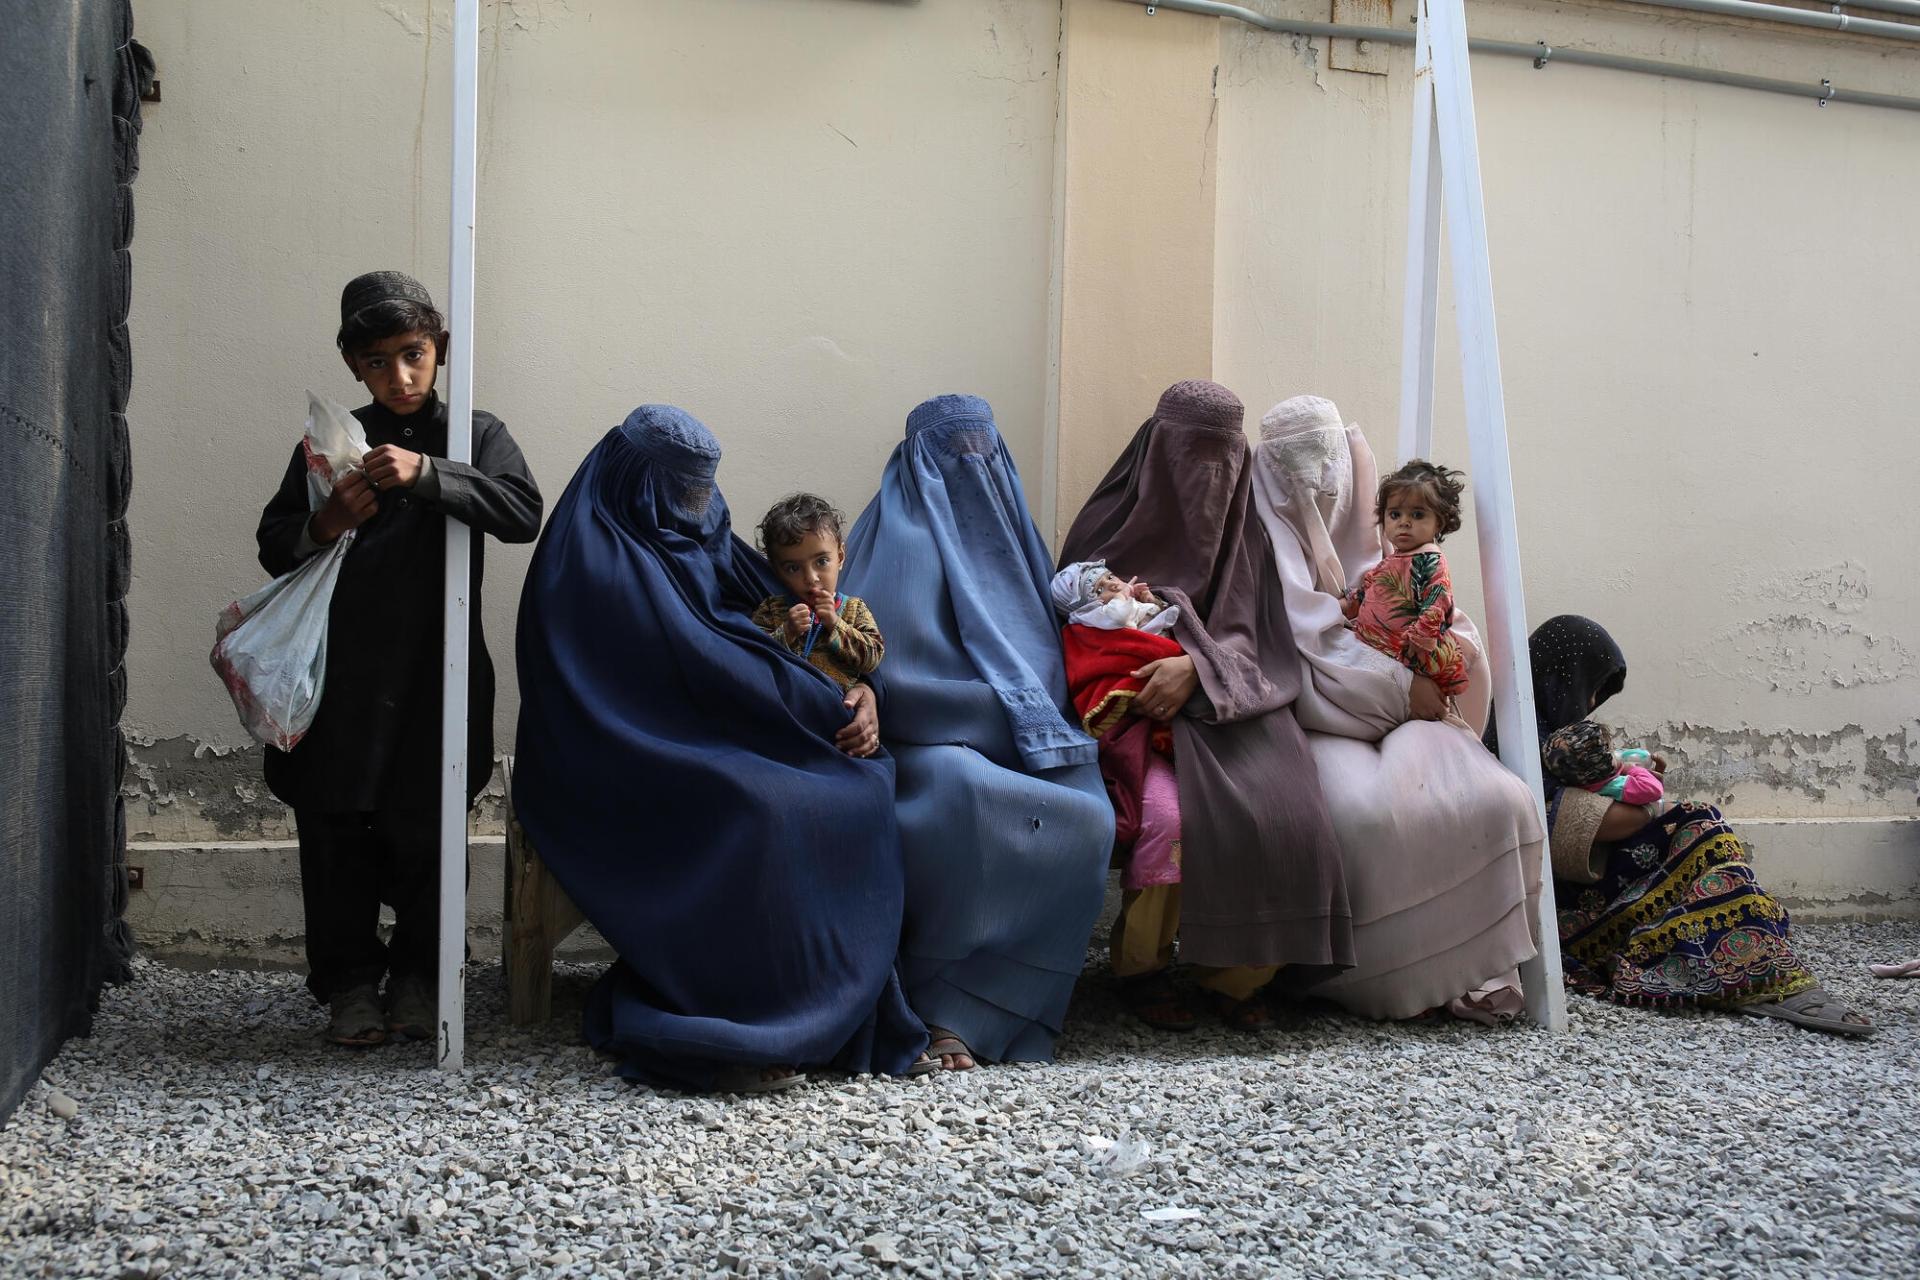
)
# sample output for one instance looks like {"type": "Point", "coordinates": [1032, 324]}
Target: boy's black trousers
{"type": "Point", "coordinates": [350, 863]}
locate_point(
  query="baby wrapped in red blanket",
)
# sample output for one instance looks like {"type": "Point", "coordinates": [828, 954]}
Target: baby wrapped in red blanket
{"type": "Point", "coordinates": [1115, 627]}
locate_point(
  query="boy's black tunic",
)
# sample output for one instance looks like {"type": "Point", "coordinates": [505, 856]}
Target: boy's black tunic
{"type": "Point", "coordinates": [375, 742]}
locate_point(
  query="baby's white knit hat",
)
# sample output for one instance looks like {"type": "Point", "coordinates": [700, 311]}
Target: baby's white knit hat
{"type": "Point", "coordinates": [1073, 585]}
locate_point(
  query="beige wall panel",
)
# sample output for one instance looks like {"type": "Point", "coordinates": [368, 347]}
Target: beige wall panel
{"type": "Point", "coordinates": [1137, 306]}
{"type": "Point", "coordinates": [796, 218]}
{"type": "Point", "coordinates": [1707, 334]}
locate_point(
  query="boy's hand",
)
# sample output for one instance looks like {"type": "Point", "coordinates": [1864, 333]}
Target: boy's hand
{"type": "Point", "coordinates": [1142, 592]}
{"type": "Point", "coordinates": [823, 610]}
{"type": "Point", "coordinates": [1350, 606]}
{"type": "Point", "coordinates": [390, 466]}
{"type": "Point", "coordinates": [351, 504]}
{"type": "Point", "coordinates": [799, 620]}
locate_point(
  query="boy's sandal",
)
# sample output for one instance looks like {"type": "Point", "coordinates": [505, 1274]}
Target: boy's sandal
{"type": "Point", "coordinates": [356, 1019]}
{"type": "Point", "coordinates": [1250, 1015]}
{"type": "Point", "coordinates": [948, 1045]}
{"type": "Point", "coordinates": [754, 1080]}
{"type": "Point", "coordinates": [1152, 998]}
{"type": "Point", "coordinates": [1817, 1010]}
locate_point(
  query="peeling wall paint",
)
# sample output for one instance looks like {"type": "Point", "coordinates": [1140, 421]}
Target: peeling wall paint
{"type": "Point", "coordinates": [181, 789]}
{"type": "Point", "coordinates": [1798, 653]}
{"type": "Point", "coordinates": [1791, 774]}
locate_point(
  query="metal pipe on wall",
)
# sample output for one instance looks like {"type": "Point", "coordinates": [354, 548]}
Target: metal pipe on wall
{"type": "Point", "coordinates": [1826, 20]}
{"type": "Point", "coordinates": [1541, 53]}
{"type": "Point", "coordinates": [1909, 7]}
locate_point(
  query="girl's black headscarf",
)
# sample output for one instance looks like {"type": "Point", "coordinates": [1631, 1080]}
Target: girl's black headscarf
{"type": "Point", "coordinates": [1576, 667]}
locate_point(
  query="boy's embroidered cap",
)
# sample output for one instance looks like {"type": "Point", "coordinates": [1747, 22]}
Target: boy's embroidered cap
{"type": "Point", "coordinates": [381, 286]}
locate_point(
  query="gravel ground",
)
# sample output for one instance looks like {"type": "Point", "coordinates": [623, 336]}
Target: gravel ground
{"type": "Point", "coordinates": [210, 1132]}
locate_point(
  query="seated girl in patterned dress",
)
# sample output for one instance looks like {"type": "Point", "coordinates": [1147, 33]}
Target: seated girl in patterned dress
{"type": "Point", "coordinates": [1403, 606]}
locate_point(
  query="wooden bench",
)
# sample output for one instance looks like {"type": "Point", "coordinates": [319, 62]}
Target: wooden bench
{"type": "Point", "coordinates": [537, 918]}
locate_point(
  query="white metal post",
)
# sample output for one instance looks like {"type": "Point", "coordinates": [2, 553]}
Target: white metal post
{"type": "Point", "coordinates": [1443, 31]}
{"type": "Point", "coordinates": [459, 392]}
{"type": "Point", "coordinates": [1421, 305]}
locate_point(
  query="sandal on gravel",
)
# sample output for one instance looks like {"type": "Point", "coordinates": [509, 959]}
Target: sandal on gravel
{"type": "Point", "coordinates": [1815, 1009]}
{"type": "Point", "coordinates": [948, 1045]}
{"type": "Point", "coordinates": [755, 1080]}
{"type": "Point", "coordinates": [1250, 1015]}
{"type": "Point", "coordinates": [1152, 998]}
{"type": "Point", "coordinates": [924, 1065]}
{"type": "Point", "coordinates": [411, 1007]}
{"type": "Point", "coordinates": [356, 1020]}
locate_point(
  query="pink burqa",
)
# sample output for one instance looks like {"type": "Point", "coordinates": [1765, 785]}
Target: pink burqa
{"type": "Point", "coordinates": [1441, 844]}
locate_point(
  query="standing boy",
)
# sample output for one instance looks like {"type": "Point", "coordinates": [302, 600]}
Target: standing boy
{"type": "Point", "coordinates": [364, 783]}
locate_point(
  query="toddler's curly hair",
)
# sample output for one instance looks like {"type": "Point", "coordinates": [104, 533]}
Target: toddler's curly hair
{"type": "Point", "coordinates": [794, 517]}
{"type": "Point", "coordinates": [1440, 486]}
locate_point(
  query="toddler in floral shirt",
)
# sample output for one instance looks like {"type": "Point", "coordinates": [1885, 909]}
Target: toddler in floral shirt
{"type": "Point", "coordinates": [1403, 606]}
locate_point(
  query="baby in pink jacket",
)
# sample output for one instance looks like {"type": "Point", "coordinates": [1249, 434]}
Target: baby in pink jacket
{"type": "Point", "coordinates": [1582, 755]}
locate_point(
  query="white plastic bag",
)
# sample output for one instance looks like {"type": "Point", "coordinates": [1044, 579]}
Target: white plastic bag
{"type": "Point", "coordinates": [270, 648]}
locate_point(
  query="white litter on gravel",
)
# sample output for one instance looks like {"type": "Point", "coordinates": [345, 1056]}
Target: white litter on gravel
{"type": "Point", "coordinates": [204, 1130]}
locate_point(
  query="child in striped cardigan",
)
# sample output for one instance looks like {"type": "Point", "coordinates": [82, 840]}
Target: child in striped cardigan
{"type": "Point", "coordinates": [836, 633]}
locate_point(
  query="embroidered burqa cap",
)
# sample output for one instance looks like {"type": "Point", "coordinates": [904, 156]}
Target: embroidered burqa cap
{"type": "Point", "coordinates": [1263, 879]}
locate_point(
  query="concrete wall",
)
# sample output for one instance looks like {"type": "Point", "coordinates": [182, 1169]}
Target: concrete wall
{"type": "Point", "coordinates": [1706, 322]}
{"type": "Point", "coordinates": [795, 217]}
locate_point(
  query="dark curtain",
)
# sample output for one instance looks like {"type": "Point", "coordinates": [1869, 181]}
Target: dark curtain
{"type": "Point", "coordinates": [70, 84]}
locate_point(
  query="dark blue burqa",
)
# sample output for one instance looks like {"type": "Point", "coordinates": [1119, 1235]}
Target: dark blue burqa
{"type": "Point", "coordinates": [1006, 824]}
{"type": "Point", "coordinates": [677, 772]}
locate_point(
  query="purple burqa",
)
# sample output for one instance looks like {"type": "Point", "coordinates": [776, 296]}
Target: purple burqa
{"type": "Point", "coordinates": [1261, 864]}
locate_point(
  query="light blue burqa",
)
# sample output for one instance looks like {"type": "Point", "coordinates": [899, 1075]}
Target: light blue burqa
{"type": "Point", "coordinates": [1006, 823]}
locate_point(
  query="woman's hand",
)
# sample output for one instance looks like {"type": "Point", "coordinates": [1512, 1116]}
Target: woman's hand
{"type": "Point", "coordinates": [1425, 700]}
{"type": "Point", "coordinates": [1658, 765]}
{"type": "Point", "coordinates": [1170, 682]}
{"type": "Point", "coordinates": [861, 735]}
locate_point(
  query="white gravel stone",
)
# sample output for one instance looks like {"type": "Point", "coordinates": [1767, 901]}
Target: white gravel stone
{"type": "Point", "coordinates": [220, 1137]}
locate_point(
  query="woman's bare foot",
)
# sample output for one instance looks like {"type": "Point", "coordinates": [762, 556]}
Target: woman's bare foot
{"type": "Point", "coordinates": [950, 1049]}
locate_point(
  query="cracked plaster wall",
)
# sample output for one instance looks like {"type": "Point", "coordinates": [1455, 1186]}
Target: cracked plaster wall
{"type": "Point", "coordinates": [796, 219]}
{"type": "Point", "coordinates": [1710, 399]}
